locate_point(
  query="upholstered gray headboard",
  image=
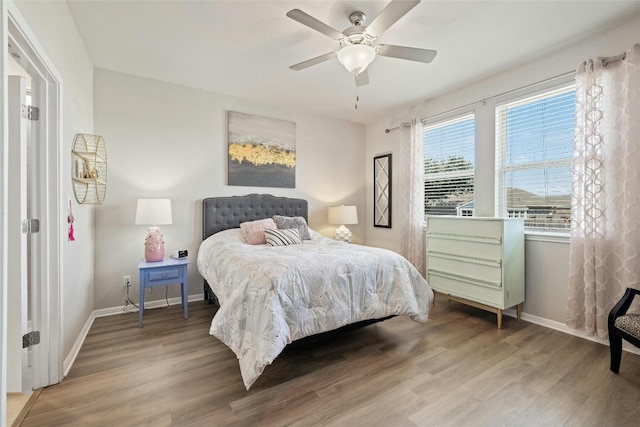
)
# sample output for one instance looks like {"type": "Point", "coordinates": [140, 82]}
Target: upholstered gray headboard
{"type": "Point", "coordinates": [222, 213]}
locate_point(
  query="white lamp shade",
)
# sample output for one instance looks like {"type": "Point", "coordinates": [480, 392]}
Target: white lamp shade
{"type": "Point", "coordinates": [343, 215]}
{"type": "Point", "coordinates": [356, 57]}
{"type": "Point", "coordinates": [153, 212]}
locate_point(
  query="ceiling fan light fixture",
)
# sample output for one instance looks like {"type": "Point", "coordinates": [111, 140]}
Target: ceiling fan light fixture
{"type": "Point", "coordinates": [356, 57]}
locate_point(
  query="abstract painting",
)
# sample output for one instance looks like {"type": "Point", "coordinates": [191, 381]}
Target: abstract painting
{"type": "Point", "coordinates": [262, 151]}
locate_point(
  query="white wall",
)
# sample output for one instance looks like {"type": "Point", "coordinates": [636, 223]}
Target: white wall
{"type": "Point", "coordinates": [546, 261]}
{"type": "Point", "coordinates": [170, 141]}
{"type": "Point", "coordinates": [56, 33]}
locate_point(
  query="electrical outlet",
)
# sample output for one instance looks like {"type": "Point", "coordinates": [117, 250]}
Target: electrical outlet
{"type": "Point", "coordinates": [126, 281]}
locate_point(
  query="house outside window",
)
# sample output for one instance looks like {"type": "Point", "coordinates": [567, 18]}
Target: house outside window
{"type": "Point", "coordinates": [534, 148]}
{"type": "Point", "coordinates": [449, 159]}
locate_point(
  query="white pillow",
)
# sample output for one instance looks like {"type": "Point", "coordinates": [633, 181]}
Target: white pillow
{"type": "Point", "coordinates": [286, 237]}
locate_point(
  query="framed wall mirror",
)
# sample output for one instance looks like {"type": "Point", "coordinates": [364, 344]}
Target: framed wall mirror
{"type": "Point", "coordinates": [382, 191]}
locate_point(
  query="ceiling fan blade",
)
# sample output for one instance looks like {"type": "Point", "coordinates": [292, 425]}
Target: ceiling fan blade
{"type": "Point", "coordinates": [389, 15]}
{"type": "Point", "coordinates": [311, 22]}
{"type": "Point", "coordinates": [408, 53]}
{"type": "Point", "coordinates": [362, 78]}
{"type": "Point", "coordinates": [313, 61]}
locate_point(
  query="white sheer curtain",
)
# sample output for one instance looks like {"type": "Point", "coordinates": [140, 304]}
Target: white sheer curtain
{"type": "Point", "coordinates": [412, 194]}
{"type": "Point", "coordinates": [605, 210]}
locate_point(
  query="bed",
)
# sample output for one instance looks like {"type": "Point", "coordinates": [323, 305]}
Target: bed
{"type": "Point", "coordinates": [269, 297]}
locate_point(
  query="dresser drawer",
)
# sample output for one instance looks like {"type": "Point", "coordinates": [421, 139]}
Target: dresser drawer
{"type": "Point", "coordinates": [164, 274]}
{"type": "Point", "coordinates": [465, 228]}
{"type": "Point", "coordinates": [478, 270]}
{"type": "Point", "coordinates": [471, 290]}
{"type": "Point", "coordinates": [442, 244]}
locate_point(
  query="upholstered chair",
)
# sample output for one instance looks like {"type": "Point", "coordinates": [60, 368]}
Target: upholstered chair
{"type": "Point", "coordinates": [623, 325]}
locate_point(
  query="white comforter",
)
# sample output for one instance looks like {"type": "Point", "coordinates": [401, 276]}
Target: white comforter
{"type": "Point", "coordinates": [271, 296]}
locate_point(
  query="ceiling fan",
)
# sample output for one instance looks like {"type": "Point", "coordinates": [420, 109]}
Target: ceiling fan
{"type": "Point", "coordinates": [357, 43]}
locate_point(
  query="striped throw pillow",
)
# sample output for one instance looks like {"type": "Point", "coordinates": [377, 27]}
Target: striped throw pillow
{"type": "Point", "coordinates": [289, 236]}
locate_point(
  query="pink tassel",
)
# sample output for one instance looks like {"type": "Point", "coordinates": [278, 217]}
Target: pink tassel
{"type": "Point", "coordinates": [70, 221]}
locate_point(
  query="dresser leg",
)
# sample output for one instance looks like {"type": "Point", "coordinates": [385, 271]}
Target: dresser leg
{"type": "Point", "coordinates": [499, 315]}
{"type": "Point", "coordinates": [519, 311]}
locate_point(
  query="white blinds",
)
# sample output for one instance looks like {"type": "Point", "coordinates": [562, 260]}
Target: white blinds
{"type": "Point", "coordinates": [534, 147]}
{"type": "Point", "coordinates": [449, 166]}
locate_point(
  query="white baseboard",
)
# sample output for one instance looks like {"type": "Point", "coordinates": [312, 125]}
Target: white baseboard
{"type": "Point", "coordinates": [559, 326]}
{"type": "Point", "coordinates": [75, 349]}
{"type": "Point", "coordinates": [129, 308]}
{"type": "Point", "coordinates": [68, 361]}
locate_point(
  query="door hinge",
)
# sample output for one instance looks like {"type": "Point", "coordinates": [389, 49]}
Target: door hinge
{"type": "Point", "coordinates": [30, 226]}
{"type": "Point", "coordinates": [30, 112]}
{"type": "Point", "coordinates": [31, 339]}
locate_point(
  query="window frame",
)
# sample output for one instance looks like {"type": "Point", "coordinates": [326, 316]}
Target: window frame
{"type": "Point", "coordinates": [501, 170]}
{"type": "Point", "coordinates": [440, 121]}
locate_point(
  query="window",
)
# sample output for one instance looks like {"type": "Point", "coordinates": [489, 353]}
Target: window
{"type": "Point", "coordinates": [449, 158]}
{"type": "Point", "coordinates": [534, 147]}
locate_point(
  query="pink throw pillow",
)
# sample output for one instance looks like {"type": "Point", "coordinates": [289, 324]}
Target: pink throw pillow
{"type": "Point", "coordinates": [253, 231]}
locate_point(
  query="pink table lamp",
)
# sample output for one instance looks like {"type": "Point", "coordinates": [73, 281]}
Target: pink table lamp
{"type": "Point", "coordinates": [153, 212]}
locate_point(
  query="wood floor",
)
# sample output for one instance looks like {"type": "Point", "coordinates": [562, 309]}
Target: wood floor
{"type": "Point", "coordinates": [457, 370]}
{"type": "Point", "coordinates": [15, 404]}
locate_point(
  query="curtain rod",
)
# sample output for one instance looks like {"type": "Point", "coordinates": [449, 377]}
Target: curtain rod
{"type": "Point", "coordinates": [484, 100]}
{"type": "Point", "coordinates": [603, 60]}
{"type": "Point", "coordinates": [608, 60]}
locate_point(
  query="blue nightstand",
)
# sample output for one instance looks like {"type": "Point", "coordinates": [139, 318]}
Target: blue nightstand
{"type": "Point", "coordinates": [165, 272]}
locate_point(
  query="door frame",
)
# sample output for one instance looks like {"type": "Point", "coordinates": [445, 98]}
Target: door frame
{"type": "Point", "coordinates": [47, 275]}
{"type": "Point", "coordinates": [18, 371]}
{"type": "Point", "coordinates": [4, 136]}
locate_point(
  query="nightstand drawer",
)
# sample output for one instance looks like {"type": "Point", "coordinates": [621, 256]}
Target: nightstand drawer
{"type": "Point", "coordinates": [158, 275]}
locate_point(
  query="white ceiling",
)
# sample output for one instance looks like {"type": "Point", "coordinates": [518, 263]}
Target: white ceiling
{"type": "Point", "coordinates": [244, 48]}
